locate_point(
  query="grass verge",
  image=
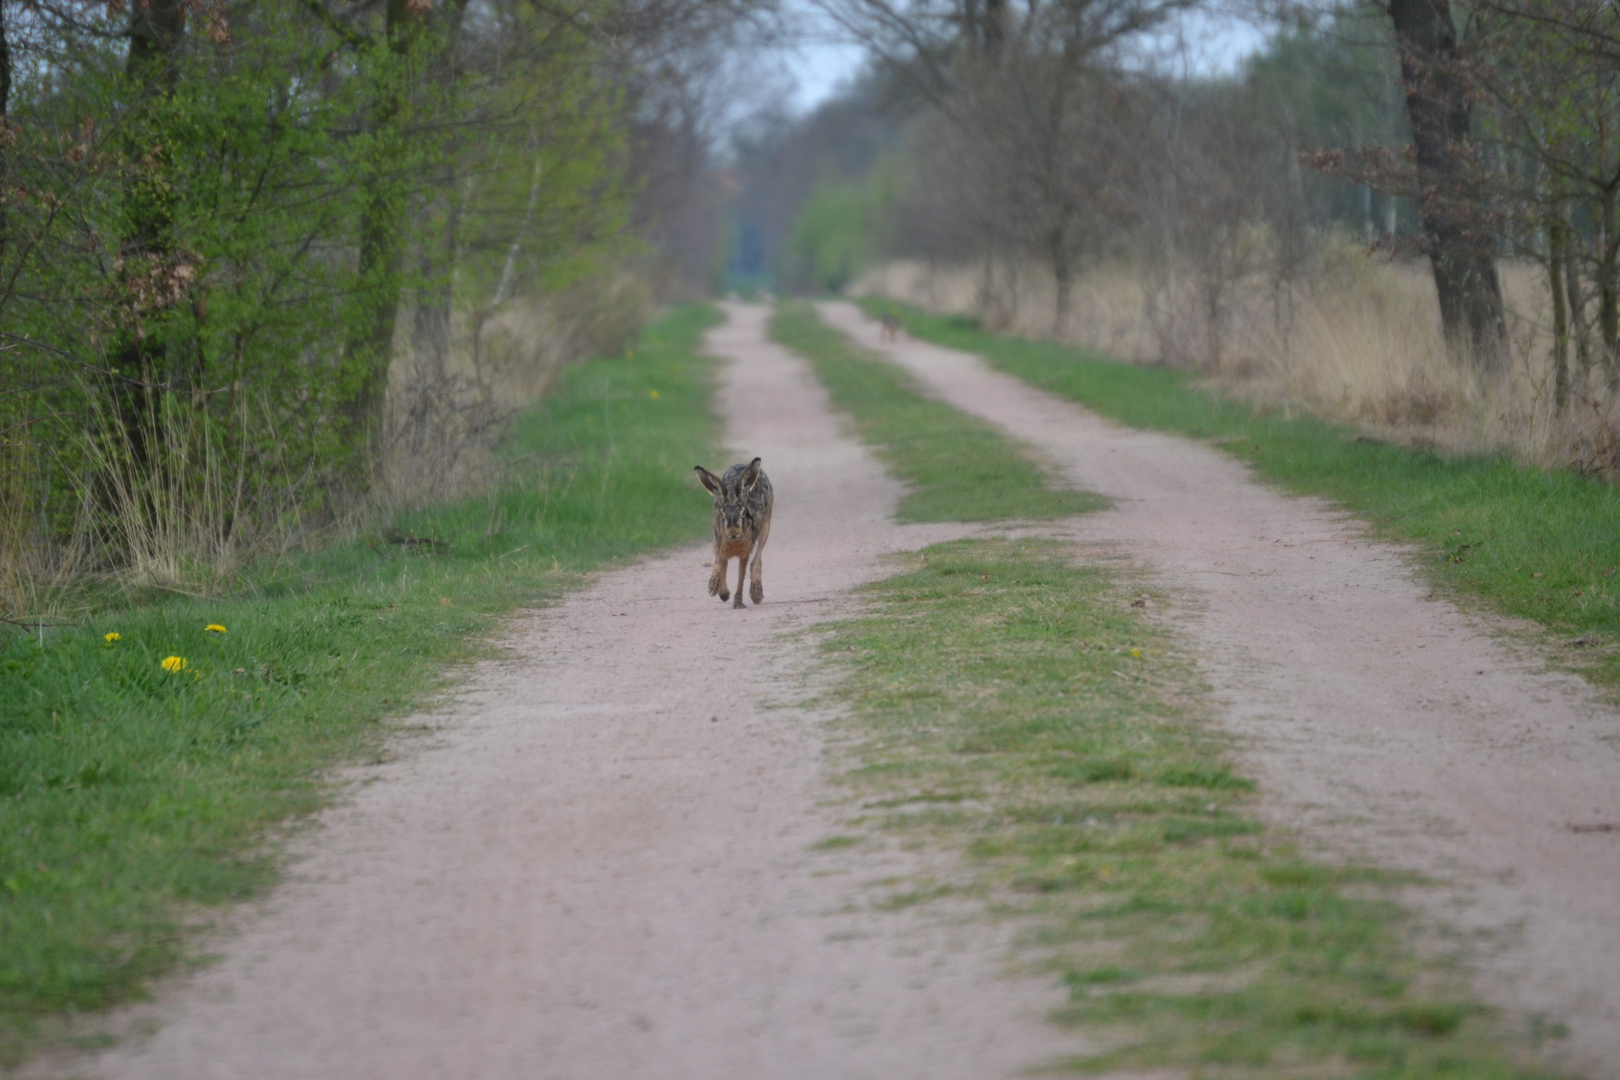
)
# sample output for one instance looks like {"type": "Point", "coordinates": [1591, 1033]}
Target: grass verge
{"type": "Point", "coordinates": [956, 467]}
{"type": "Point", "coordinates": [1014, 705]}
{"type": "Point", "coordinates": [1537, 545]}
{"type": "Point", "coordinates": [134, 797]}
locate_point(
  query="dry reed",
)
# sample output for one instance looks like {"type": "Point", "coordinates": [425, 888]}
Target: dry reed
{"type": "Point", "coordinates": [201, 492]}
{"type": "Point", "coordinates": [450, 401]}
{"type": "Point", "coordinates": [205, 493]}
{"type": "Point", "coordinates": [1357, 342]}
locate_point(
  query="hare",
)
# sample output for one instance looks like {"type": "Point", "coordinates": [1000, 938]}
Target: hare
{"type": "Point", "coordinates": [742, 524]}
{"type": "Point", "coordinates": [891, 327]}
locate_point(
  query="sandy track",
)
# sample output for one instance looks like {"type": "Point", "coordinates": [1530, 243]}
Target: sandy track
{"type": "Point", "coordinates": [1386, 724]}
{"type": "Point", "coordinates": [601, 867]}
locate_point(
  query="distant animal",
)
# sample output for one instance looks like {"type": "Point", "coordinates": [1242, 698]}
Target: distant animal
{"type": "Point", "coordinates": [891, 326]}
{"type": "Point", "coordinates": [742, 523]}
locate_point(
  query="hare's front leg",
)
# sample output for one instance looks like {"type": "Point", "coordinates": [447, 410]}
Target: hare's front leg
{"type": "Point", "coordinates": [717, 577]}
{"type": "Point", "coordinates": [756, 590]}
{"type": "Point", "coordinates": [742, 572]}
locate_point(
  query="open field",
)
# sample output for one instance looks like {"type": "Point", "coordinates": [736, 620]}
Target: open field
{"type": "Point", "coordinates": [139, 800]}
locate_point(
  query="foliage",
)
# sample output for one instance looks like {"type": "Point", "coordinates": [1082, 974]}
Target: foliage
{"type": "Point", "coordinates": [1548, 68]}
{"type": "Point", "coordinates": [136, 797]}
{"type": "Point", "coordinates": [1335, 81]}
{"type": "Point", "coordinates": [1038, 154]}
{"type": "Point", "coordinates": [783, 161]}
{"type": "Point", "coordinates": [207, 242]}
{"type": "Point", "coordinates": [835, 237]}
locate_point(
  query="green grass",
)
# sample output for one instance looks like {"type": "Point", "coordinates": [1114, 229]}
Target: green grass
{"type": "Point", "coordinates": [133, 799]}
{"type": "Point", "coordinates": [956, 467]}
{"type": "Point", "coordinates": [1011, 705]}
{"type": "Point", "coordinates": [1538, 545]}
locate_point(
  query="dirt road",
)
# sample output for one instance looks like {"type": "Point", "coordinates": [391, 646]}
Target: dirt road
{"type": "Point", "coordinates": [1383, 723]}
{"type": "Point", "coordinates": [602, 863]}
{"type": "Point", "coordinates": [601, 866]}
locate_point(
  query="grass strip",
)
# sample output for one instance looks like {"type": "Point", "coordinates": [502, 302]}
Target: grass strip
{"type": "Point", "coordinates": [1538, 545]}
{"type": "Point", "coordinates": [1013, 705]}
{"type": "Point", "coordinates": [956, 467]}
{"type": "Point", "coordinates": [133, 797]}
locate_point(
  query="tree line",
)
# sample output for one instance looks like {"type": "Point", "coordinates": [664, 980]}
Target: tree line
{"type": "Point", "coordinates": [1063, 133]}
{"type": "Point", "coordinates": [224, 222]}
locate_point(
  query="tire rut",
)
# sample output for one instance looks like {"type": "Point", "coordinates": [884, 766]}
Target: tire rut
{"type": "Point", "coordinates": [1386, 725]}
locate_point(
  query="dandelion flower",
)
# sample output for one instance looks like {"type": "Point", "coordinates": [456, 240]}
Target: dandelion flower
{"type": "Point", "coordinates": [652, 393]}
{"type": "Point", "coordinates": [175, 663]}
{"type": "Point", "coordinates": [1136, 653]}
{"type": "Point", "coordinates": [215, 627]}
{"type": "Point", "coordinates": [112, 637]}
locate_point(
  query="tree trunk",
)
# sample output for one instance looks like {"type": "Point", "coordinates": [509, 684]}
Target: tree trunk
{"type": "Point", "coordinates": [1062, 279]}
{"type": "Point", "coordinates": [5, 121]}
{"type": "Point", "coordinates": [1460, 242]}
{"type": "Point", "coordinates": [138, 355]}
{"type": "Point", "coordinates": [987, 281]}
{"type": "Point", "coordinates": [1214, 301]}
{"type": "Point", "coordinates": [370, 348]}
{"type": "Point", "coordinates": [995, 25]}
{"type": "Point", "coordinates": [1608, 282]}
{"type": "Point", "coordinates": [1576, 304]}
{"type": "Point", "coordinates": [1556, 247]}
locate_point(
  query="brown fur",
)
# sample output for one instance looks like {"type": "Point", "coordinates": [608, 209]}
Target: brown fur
{"type": "Point", "coordinates": [891, 326]}
{"type": "Point", "coordinates": [742, 523]}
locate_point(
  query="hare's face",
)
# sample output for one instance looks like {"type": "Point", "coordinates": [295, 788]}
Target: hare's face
{"type": "Point", "coordinates": [733, 517]}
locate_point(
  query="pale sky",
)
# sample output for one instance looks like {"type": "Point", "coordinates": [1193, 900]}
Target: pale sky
{"type": "Point", "coordinates": [1217, 43]}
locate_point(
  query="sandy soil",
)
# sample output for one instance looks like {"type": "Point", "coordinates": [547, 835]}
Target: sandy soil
{"type": "Point", "coordinates": [601, 867]}
{"type": "Point", "coordinates": [1386, 724]}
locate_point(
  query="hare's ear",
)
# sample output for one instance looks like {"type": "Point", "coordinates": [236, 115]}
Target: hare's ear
{"type": "Point", "coordinates": [708, 479]}
{"type": "Point", "coordinates": [750, 475]}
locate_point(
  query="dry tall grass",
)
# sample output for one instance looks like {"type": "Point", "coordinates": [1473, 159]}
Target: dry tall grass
{"type": "Point", "coordinates": [208, 496]}
{"type": "Point", "coordinates": [28, 569]}
{"type": "Point", "coordinates": [450, 399]}
{"type": "Point", "coordinates": [171, 514]}
{"type": "Point", "coordinates": [1359, 342]}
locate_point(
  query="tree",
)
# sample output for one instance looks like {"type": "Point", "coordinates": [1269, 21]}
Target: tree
{"type": "Point", "coordinates": [1458, 228]}
{"type": "Point", "coordinates": [1551, 72]}
{"type": "Point", "coordinates": [1020, 84]}
{"type": "Point", "coordinates": [213, 217]}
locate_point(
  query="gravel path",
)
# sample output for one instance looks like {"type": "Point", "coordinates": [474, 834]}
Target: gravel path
{"type": "Point", "coordinates": [1386, 724]}
{"type": "Point", "coordinates": [601, 865]}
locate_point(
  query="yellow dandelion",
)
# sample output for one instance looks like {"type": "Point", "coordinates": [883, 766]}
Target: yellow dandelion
{"type": "Point", "coordinates": [652, 393]}
{"type": "Point", "coordinates": [215, 627]}
{"type": "Point", "coordinates": [175, 663]}
{"type": "Point", "coordinates": [1136, 653]}
{"type": "Point", "coordinates": [112, 637]}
